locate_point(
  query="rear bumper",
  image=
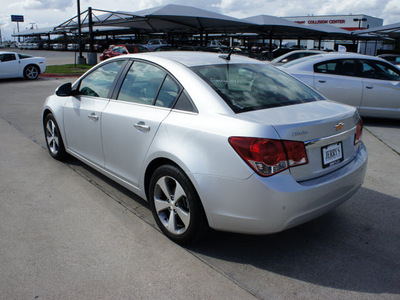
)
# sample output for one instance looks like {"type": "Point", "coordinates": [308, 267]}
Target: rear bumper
{"type": "Point", "coordinates": [266, 205]}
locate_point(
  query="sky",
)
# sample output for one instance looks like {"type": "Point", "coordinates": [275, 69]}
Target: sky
{"type": "Point", "coordinates": [47, 13]}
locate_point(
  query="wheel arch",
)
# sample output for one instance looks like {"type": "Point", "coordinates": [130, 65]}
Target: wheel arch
{"type": "Point", "coordinates": [157, 162]}
{"type": "Point", "coordinates": [34, 65]}
{"type": "Point", "coordinates": [152, 166]}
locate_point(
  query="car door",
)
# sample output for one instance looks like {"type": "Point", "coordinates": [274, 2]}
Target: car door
{"type": "Point", "coordinates": [9, 65]}
{"type": "Point", "coordinates": [131, 120]}
{"type": "Point", "coordinates": [381, 89]}
{"type": "Point", "coordinates": [337, 80]}
{"type": "Point", "coordinates": [83, 112]}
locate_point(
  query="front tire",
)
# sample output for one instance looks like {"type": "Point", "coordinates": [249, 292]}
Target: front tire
{"type": "Point", "coordinates": [53, 138]}
{"type": "Point", "coordinates": [31, 72]}
{"type": "Point", "coordinates": [175, 205]}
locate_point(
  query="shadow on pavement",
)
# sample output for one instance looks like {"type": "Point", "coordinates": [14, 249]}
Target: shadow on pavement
{"type": "Point", "coordinates": [344, 249]}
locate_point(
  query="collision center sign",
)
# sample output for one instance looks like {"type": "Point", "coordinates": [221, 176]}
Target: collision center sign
{"type": "Point", "coordinates": [311, 22]}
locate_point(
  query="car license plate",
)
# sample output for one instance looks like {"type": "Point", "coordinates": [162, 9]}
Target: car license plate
{"type": "Point", "coordinates": [332, 154]}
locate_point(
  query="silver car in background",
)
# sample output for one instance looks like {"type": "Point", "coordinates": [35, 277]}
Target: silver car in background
{"type": "Point", "coordinates": [369, 83]}
{"type": "Point", "coordinates": [293, 55]}
{"type": "Point", "coordinates": [210, 140]}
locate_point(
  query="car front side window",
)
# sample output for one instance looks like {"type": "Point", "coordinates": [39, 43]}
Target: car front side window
{"type": "Point", "coordinates": [7, 57]}
{"type": "Point", "coordinates": [343, 67]}
{"type": "Point", "coordinates": [99, 82]}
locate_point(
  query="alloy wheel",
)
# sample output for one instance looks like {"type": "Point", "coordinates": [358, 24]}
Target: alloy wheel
{"type": "Point", "coordinates": [171, 205]}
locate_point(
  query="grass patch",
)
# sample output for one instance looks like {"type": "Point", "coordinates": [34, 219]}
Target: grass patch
{"type": "Point", "coordinates": [68, 69]}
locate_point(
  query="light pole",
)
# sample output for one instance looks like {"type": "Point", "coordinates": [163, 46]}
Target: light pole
{"type": "Point", "coordinates": [81, 59]}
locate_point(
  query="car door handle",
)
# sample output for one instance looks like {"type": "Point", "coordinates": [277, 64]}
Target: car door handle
{"type": "Point", "coordinates": [369, 87]}
{"type": "Point", "coordinates": [93, 117]}
{"type": "Point", "coordinates": [141, 126]}
{"type": "Point", "coordinates": [322, 81]}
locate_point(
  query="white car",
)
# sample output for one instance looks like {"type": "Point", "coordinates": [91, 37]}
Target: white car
{"type": "Point", "coordinates": [369, 83]}
{"type": "Point", "coordinates": [155, 43]}
{"type": "Point", "coordinates": [14, 65]}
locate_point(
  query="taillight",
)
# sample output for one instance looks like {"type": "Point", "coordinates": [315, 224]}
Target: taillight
{"type": "Point", "coordinates": [267, 156]}
{"type": "Point", "coordinates": [359, 130]}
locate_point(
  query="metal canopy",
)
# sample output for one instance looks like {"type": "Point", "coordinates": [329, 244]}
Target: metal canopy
{"type": "Point", "coordinates": [391, 30]}
{"type": "Point", "coordinates": [171, 18]}
{"type": "Point", "coordinates": [35, 32]}
{"type": "Point", "coordinates": [279, 28]}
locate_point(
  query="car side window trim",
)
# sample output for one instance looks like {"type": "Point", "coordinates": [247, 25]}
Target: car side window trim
{"type": "Point", "coordinates": [125, 73]}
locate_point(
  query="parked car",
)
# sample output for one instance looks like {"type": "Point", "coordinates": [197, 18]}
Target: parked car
{"type": "Point", "coordinates": [97, 47]}
{"type": "Point", "coordinates": [59, 46]}
{"type": "Point", "coordinates": [14, 65]}
{"type": "Point", "coordinates": [223, 49]}
{"type": "Point", "coordinates": [72, 47]}
{"type": "Point", "coordinates": [153, 44]}
{"type": "Point", "coordinates": [234, 144]}
{"type": "Point", "coordinates": [190, 48]}
{"type": "Point", "coordinates": [165, 48]}
{"type": "Point", "coordinates": [285, 58]}
{"type": "Point", "coordinates": [38, 45]}
{"type": "Point", "coordinates": [116, 50]}
{"type": "Point", "coordinates": [369, 83]}
{"type": "Point", "coordinates": [393, 58]}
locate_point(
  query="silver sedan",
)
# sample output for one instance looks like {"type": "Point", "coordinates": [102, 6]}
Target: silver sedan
{"type": "Point", "coordinates": [210, 140]}
{"type": "Point", "coordinates": [369, 83]}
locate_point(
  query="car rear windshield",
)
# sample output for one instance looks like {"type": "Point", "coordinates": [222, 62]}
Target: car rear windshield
{"type": "Point", "coordinates": [247, 87]}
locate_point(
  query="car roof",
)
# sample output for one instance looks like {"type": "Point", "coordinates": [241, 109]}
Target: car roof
{"type": "Point", "coordinates": [304, 63]}
{"type": "Point", "coordinates": [192, 58]}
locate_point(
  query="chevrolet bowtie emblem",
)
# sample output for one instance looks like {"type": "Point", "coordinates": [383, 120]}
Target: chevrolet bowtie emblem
{"type": "Point", "coordinates": [339, 126]}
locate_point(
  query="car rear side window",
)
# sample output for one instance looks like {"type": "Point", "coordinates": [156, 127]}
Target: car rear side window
{"type": "Point", "coordinates": [7, 57]}
{"type": "Point", "coordinates": [169, 91]}
{"type": "Point", "coordinates": [99, 82]}
{"type": "Point", "coordinates": [246, 87]}
{"type": "Point", "coordinates": [142, 83]}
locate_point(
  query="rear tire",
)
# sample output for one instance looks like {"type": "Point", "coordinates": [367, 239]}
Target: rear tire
{"type": "Point", "coordinates": [31, 72]}
{"type": "Point", "coordinates": [175, 205]}
{"type": "Point", "coordinates": [53, 138]}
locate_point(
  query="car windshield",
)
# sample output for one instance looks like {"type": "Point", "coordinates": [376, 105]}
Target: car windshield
{"type": "Point", "coordinates": [247, 87]}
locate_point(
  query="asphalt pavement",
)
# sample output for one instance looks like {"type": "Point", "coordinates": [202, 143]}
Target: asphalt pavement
{"type": "Point", "coordinates": [67, 232]}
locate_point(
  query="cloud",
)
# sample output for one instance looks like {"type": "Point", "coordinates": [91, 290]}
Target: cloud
{"type": "Point", "coordinates": [47, 4]}
{"type": "Point", "coordinates": [384, 9]}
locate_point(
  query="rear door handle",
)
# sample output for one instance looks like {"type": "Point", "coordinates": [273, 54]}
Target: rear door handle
{"type": "Point", "coordinates": [93, 117]}
{"type": "Point", "coordinates": [369, 87]}
{"type": "Point", "coordinates": [322, 81]}
{"type": "Point", "coordinates": [141, 126]}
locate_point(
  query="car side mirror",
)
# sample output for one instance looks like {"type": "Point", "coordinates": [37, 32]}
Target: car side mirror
{"type": "Point", "coordinates": [64, 90]}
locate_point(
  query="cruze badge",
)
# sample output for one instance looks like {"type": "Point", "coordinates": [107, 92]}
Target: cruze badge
{"type": "Point", "coordinates": [339, 126]}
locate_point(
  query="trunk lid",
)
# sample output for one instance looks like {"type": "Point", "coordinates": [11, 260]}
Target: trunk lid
{"type": "Point", "coordinates": [327, 129]}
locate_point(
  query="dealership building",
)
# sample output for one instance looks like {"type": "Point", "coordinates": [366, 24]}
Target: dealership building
{"type": "Point", "coordinates": [346, 22]}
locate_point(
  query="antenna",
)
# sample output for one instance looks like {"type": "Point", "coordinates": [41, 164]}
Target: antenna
{"type": "Point", "coordinates": [227, 57]}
